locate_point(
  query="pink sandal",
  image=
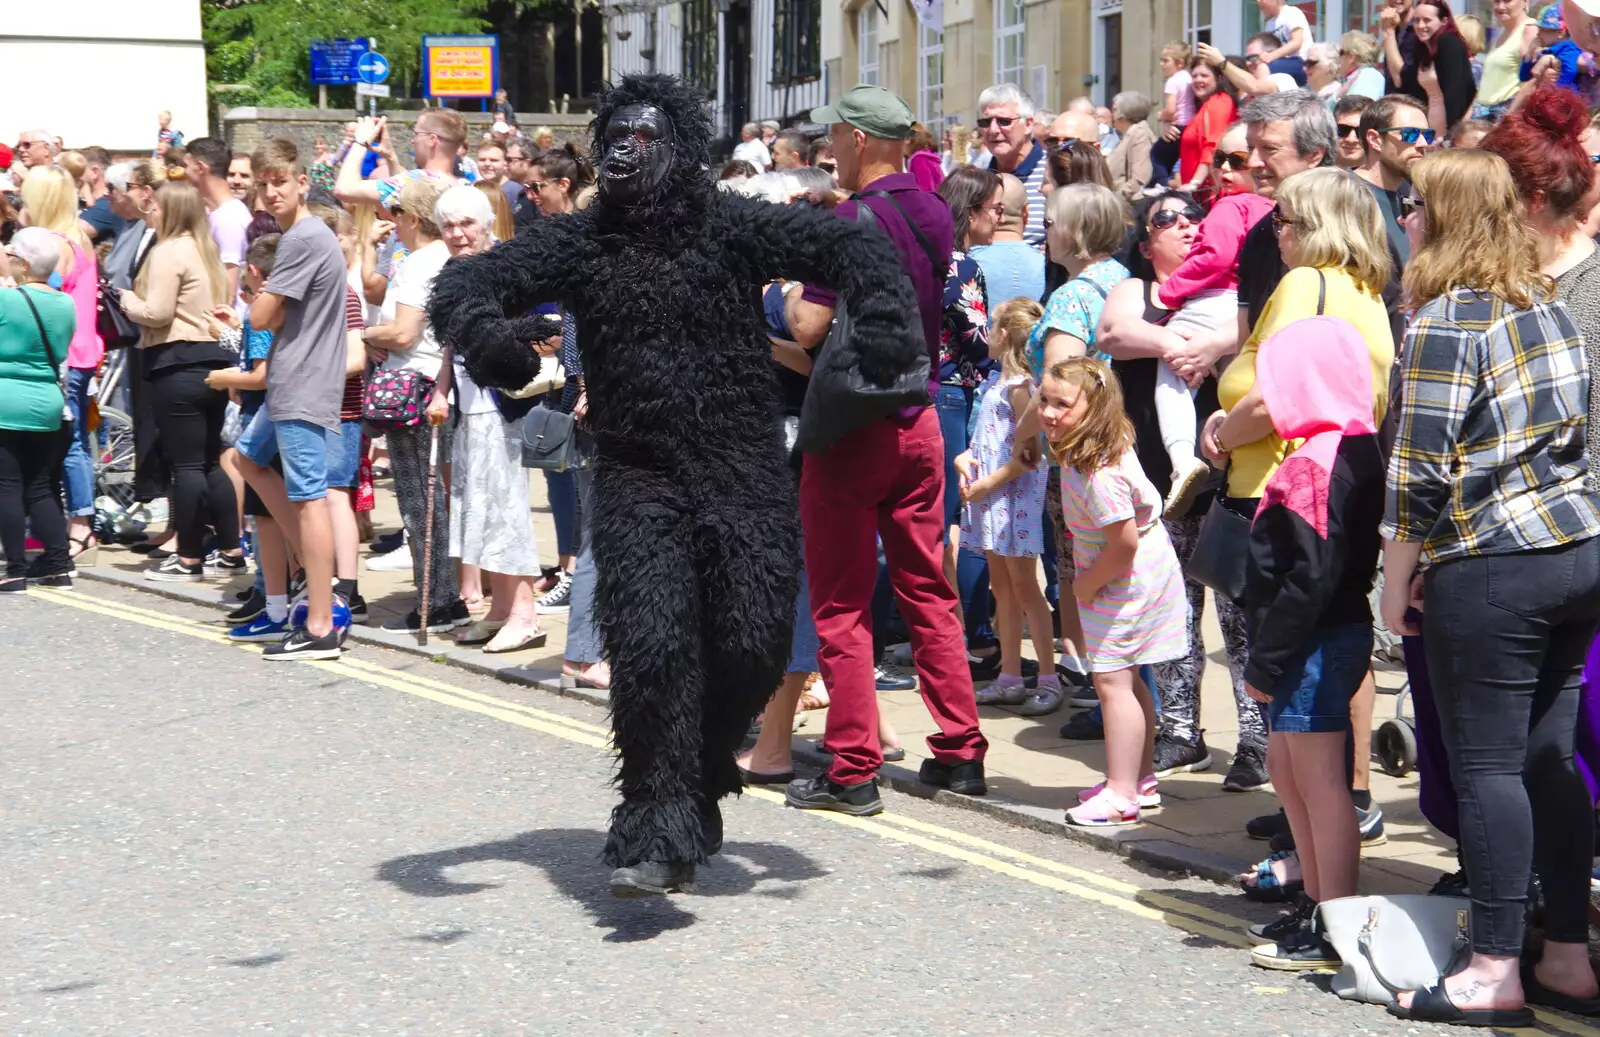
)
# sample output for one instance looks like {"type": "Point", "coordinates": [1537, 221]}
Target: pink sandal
{"type": "Point", "coordinates": [1149, 797]}
{"type": "Point", "coordinates": [1105, 810]}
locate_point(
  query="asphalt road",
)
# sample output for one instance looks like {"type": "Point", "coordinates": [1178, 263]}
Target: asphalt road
{"type": "Point", "coordinates": [198, 842]}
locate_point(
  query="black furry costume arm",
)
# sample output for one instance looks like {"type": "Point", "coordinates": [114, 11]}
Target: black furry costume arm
{"type": "Point", "coordinates": [797, 243]}
{"type": "Point", "coordinates": [473, 295]}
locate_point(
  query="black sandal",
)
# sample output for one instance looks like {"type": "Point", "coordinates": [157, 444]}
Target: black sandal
{"type": "Point", "coordinates": [1433, 1005]}
{"type": "Point", "coordinates": [1536, 993]}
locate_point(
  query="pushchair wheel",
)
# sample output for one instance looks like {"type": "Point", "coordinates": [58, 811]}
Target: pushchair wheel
{"type": "Point", "coordinates": [1396, 745]}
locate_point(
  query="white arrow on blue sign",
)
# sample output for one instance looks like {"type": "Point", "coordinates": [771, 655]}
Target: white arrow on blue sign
{"type": "Point", "coordinates": [372, 67]}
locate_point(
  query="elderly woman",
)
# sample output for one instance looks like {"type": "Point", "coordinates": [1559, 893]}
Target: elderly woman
{"type": "Point", "coordinates": [491, 522]}
{"type": "Point", "coordinates": [1358, 65]}
{"type": "Point", "coordinates": [1130, 159]}
{"type": "Point", "coordinates": [1489, 488]}
{"type": "Point", "coordinates": [1322, 73]}
{"type": "Point", "coordinates": [36, 325]}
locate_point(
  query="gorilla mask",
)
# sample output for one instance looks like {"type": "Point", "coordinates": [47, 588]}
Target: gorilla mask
{"type": "Point", "coordinates": [638, 143]}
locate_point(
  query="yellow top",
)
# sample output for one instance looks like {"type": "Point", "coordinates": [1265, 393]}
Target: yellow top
{"type": "Point", "coordinates": [1502, 70]}
{"type": "Point", "coordinates": [1294, 299]}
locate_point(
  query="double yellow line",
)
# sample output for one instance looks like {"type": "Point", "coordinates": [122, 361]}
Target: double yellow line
{"type": "Point", "coordinates": [959, 846]}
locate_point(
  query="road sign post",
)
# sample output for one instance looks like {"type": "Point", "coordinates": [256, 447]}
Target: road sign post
{"type": "Point", "coordinates": [372, 68]}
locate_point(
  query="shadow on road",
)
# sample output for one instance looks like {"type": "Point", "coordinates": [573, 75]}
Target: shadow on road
{"type": "Point", "coordinates": [570, 858]}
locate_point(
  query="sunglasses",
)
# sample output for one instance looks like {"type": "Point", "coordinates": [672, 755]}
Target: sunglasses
{"type": "Point", "coordinates": [1003, 121]}
{"type": "Point", "coordinates": [1410, 203]}
{"type": "Point", "coordinates": [998, 208]}
{"type": "Point", "coordinates": [1067, 144]}
{"type": "Point", "coordinates": [1280, 221]}
{"type": "Point", "coordinates": [1232, 161]}
{"type": "Point", "coordinates": [1349, 131]}
{"type": "Point", "coordinates": [1252, 61]}
{"type": "Point", "coordinates": [1410, 134]}
{"type": "Point", "coordinates": [1161, 219]}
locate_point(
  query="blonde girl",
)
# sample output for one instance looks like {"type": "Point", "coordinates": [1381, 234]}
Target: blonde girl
{"type": "Point", "coordinates": [1004, 511]}
{"type": "Point", "coordinates": [1127, 581]}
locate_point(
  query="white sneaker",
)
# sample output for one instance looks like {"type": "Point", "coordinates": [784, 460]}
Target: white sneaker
{"type": "Point", "coordinates": [396, 561]}
{"type": "Point", "coordinates": [1187, 483]}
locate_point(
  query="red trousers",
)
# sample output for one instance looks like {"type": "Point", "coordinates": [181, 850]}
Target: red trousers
{"type": "Point", "coordinates": [885, 481]}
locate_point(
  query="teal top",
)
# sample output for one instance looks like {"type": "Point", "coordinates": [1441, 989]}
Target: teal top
{"type": "Point", "coordinates": [30, 394]}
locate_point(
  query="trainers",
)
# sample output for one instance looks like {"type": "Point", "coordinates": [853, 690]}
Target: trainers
{"type": "Point", "coordinates": [1186, 486]}
{"type": "Point", "coordinates": [297, 586]}
{"type": "Point", "coordinates": [1175, 756]}
{"type": "Point", "coordinates": [1371, 823]}
{"type": "Point", "coordinates": [14, 585]}
{"type": "Point", "coordinates": [987, 668]}
{"type": "Point", "coordinates": [651, 879]}
{"type": "Point", "coordinates": [260, 628]}
{"type": "Point", "coordinates": [819, 793]}
{"type": "Point", "coordinates": [1082, 697]}
{"type": "Point", "coordinates": [1000, 692]}
{"type": "Point", "coordinates": [1088, 726]}
{"type": "Point", "coordinates": [396, 561]}
{"type": "Point", "coordinates": [559, 597]}
{"type": "Point", "coordinates": [439, 620]}
{"type": "Point", "coordinates": [254, 604]}
{"type": "Point", "coordinates": [1105, 809]}
{"type": "Point", "coordinates": [1149, 796]}
{"type": "Point", "coordinates": [300, 644]}
{"type": "Point", "coordinates": [964, 778]}
{"type": "Point", "coordinates": [1451, 885]}
{"type": "Point", "coordinates": [388, 542]}
{"type": "Point", "coordinates": [1286, 924]}
{"type": "Point", "coordinates": [358, 610]}
{"type": "Point", "coordinates": [1266, 826]}
{"type": "Point", "coordinates": [1041, 703]}
{"type": "Point", "coordinates": [888, 680]}
{"type": "Point", "coordinates": [1248, 771]}
{"type": "Point", "coordinates": [61, 580]}
{"type": "Point", "coordinates": [223, 566]}
{"type": "Point", "coordinates": [1303, 950]}
{"type": "Point", "coordinates": [172, 570]}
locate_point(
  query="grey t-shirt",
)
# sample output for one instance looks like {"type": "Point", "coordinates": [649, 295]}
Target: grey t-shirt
{"type": "Point", "coordinates": [1579, 288]}
{"type": "Point", "coordinates": [1389, 208]}
{"type": "Point", "coordinates": [305, 373]}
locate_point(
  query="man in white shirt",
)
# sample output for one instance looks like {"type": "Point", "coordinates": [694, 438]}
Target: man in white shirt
{"type": "Point", "coordinates": [751, 149]}
{"type": "Point", "coordinates": [206, 165]}
{"type": "Point", "coordinates": [1288, 26]}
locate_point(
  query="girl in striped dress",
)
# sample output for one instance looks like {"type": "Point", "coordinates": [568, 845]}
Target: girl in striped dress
{"type": "Point", "coordinates": [1128, 585]}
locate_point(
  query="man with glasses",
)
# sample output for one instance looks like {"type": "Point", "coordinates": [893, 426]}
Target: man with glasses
{"type": "Point", "coordinates": [35, 148]}
{"type": "Point", "coordinates": [519, 171]}
{"type": "Point", "coordinates": [1004, 122]}
{"type": "Point", "coordinates": [1347, 113]}
{"type": "Point", "coordinates": [1395, 134]}
{"type": "Point", "coordinates": [1256, 79]}
{"type": "Point", "coordinates": [435, 139]}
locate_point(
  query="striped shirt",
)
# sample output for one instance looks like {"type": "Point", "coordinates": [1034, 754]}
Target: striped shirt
{"type": "Point", "coordinates": [354, 384]}
{"type": "Point", "coordinates": [1031, 172]}
{"type": "Point", "coordinates": [1490, 456]}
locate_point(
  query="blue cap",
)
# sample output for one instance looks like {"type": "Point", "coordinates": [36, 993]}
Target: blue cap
{"type": "Point", "coordinates": [1551, 18]}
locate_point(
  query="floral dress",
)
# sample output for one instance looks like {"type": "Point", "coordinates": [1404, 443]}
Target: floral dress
{"type": "Point", "coordinates": [1010, 521]}
{"type": "Point", "coordinates": [1075, 308]}
{"type": "Point", "coordinates": [964, 332]}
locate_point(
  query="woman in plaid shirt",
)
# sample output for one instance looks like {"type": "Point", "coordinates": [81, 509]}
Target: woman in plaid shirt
{"type": "Point", "coordinates": [1488, 489]}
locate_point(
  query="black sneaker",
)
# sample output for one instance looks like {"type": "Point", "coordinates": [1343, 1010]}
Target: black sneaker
{"type": "Point", "coordinates": [14, 585]}
{"type": "Point", "coordinates": [62, 580]}
{"type": "Point", "coordinates": [358, 610]}
{"type": "Point", "coordinates": [1175, 756]}
{"type": "Point", "coordinates": [652, 879]}
{"type": "Point", "coordinates": [1248, 772]}
{"type": "Point", "coordinates": [1266, 826]}
{"type": "Point", "coordinates": [860, 800]}
{"type": "Point", "coordinates": [221, 566]}
{"type": "Point", "coordinates": [1303, 950]}
{"type": "Point", "coordinates": [984, 668]}
{"type": "Point", "coordinates": [172, 570]}
{"type": "Point", "coordinates": [1282, 842]}
{"type": "Point", "coordinates": [1287, 923]}
{"type": "Point", "coordinates": [297, 585]}
{"type": "Point", "coordinates": [1088, 726]}
{"type": "Point", "coordinates": [300, 644]}
{"type": "Point", "coordinates": [1451, 885]}
{"type": "Point", "coordinates": [1371, 824]}
{"type": "Point", "coordinates": [889, 680]}
{"type": "Point", "coordinates": [382, 545]}
{"type": "Point", "coordinates": [558, 599]}
{"type": "Point", "coordinates": [439, 620]}
{"type": "Point", "coordinates": [250, 608]}
{"type": "Point", "coordinates": [964, 778]}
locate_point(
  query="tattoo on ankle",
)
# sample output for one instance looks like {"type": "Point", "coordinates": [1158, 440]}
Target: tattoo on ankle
{"type": "Point", "coordinates": [1464, 992]}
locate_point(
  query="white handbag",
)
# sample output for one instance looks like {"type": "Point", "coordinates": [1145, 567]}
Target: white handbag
{"type": "Point", "coordinates": [1390, 944]}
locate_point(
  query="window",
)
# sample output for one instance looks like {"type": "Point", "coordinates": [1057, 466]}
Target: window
{"type": "Point", "coordinates": [797, 41]}
{"type": "Point", "coordinates": [1009, 54]}
{"type": "Point", "coordinates": [867, 43]}
{"type": "Point", "coordinates": [930, 75]}
{"type": "Point", "coordinates": [1313, 10]}
{"type": "Point", "coordinates": [700, 45]}
{"type": "Point", "coordinates": [1197, 22]}
{"type": "Point", "coordinates": [1111, 40]}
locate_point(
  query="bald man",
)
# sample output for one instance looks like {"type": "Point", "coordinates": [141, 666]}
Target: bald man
{"type": "Point", "coordinates": [1074, 124]}
{"type": "Point", "coordinates": [1011, 267]}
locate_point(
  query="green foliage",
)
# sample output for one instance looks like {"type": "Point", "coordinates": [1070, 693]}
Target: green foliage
{"type": "Point", "coordinates": [258, 51]}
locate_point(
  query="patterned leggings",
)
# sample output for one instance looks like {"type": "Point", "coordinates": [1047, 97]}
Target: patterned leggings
{"type": "Point", "coordinates": [408, 460]}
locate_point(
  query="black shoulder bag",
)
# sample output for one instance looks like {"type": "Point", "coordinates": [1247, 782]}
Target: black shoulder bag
{"type": "Point", "coordinates": [1222, 550]}
{"type": "Point", "coordinates": [839, 399]}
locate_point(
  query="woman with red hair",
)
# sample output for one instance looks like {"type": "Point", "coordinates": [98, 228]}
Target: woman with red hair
{"type": "Point", "coordinates": [1440, 71]}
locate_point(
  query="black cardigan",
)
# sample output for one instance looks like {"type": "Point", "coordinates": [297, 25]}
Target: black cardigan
{"type": "Point", "coordinates": [1454, 67]}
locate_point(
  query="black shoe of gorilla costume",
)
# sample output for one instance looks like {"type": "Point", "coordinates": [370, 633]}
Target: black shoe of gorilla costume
{"type": "Point", "coordinates": [695, 525]}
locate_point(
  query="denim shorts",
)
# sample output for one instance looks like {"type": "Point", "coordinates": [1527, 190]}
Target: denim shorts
{"type": "Point", "coordinates": [301, 445]}
{"type": "Point", "coordinates": [803, 643]}
{"type": "Point", "coordinates": [344, 456]}
{"type": "Point", "coordinates": [1314, 693]}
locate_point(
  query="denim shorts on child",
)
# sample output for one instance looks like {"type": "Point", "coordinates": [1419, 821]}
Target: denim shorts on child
{"type": "Point", "coordinates": [302, 446]}
{"type": "Point", "coordinates": [1314, 693]}
{"type": "Point", "coordinates": [344, 456]}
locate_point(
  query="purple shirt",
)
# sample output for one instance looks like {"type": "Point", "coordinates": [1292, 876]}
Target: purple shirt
{"type": "Point", "coordinates": [932, 215]}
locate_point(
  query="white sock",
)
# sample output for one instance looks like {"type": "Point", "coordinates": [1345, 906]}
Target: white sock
{"type": "Point", "coordinates": [1069, 658]}
{"type": "Point", "coordinates": [1176, 415]}
{"type": "Point", "coordinates": [277, 607]}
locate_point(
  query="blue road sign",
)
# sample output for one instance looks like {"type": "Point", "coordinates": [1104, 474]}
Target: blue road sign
{"type": "Point", "coordinates": [333, 62]}
{"type": "Point", "coordinates": [372, 67]}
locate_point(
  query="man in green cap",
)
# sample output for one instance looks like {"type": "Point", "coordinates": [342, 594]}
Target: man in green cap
{"type": "Point", "coordinates": [884, 482]}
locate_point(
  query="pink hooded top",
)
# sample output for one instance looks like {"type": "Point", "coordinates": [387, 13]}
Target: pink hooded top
{"type": "Point", "coordinates": [1213, 260]}
{"type": "Point", "coordinates": [927, 168]}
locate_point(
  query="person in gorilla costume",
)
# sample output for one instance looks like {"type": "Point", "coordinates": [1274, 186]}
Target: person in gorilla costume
{"type": "Point", "coordinates": [696, 524]}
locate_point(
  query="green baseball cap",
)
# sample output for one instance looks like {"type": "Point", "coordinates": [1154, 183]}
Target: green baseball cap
{"type": "Point", "coordinates": [872, 110]}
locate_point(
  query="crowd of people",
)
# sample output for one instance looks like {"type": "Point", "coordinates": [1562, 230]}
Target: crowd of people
{"type": "Point", "coordinates": [1317, 318]}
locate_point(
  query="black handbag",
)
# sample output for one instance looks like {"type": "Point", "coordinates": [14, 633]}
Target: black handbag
{"type": "Point", "coordinates": [1222, 550]}
{"type": "Point", "coordinates": [551, 440]}
{"type": "Point", "coordinates": [839, 400]}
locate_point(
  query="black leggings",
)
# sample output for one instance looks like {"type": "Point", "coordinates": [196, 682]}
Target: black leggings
{"type": "Point", "coordinates": [189, 414]}
{"type": "Point", "coordinates": [30, 488]}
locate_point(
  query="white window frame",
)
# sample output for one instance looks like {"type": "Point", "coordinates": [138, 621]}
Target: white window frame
{"type": "Point", "coordinates": [1194, 30]}
{"type": "Point", "coordinates": [930, 91]}
{"type": "Point", "coordinates": [867, 43]}
{"type": "Point", "coordinates": [1010, 24]}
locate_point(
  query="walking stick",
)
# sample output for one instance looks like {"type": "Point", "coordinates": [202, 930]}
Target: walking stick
{"type": "Point", "coordinates": [427, 532]}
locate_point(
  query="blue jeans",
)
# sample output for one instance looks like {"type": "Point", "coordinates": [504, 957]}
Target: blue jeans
{"type": "Point", "coordinates": [952, 403]}
{"type": "Point", "coordinates": [1295, 67]}
{"type": "Point", "coordinates": [78, 469]}
{"type": "Point", "coordinates": [803, 644]}
{"type": "Point", "coordinates": [583, 635]}
{"type": "Point", "coordinates": [1314, 691]}
{"type": "Point", "coordinates": [562, 490]}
